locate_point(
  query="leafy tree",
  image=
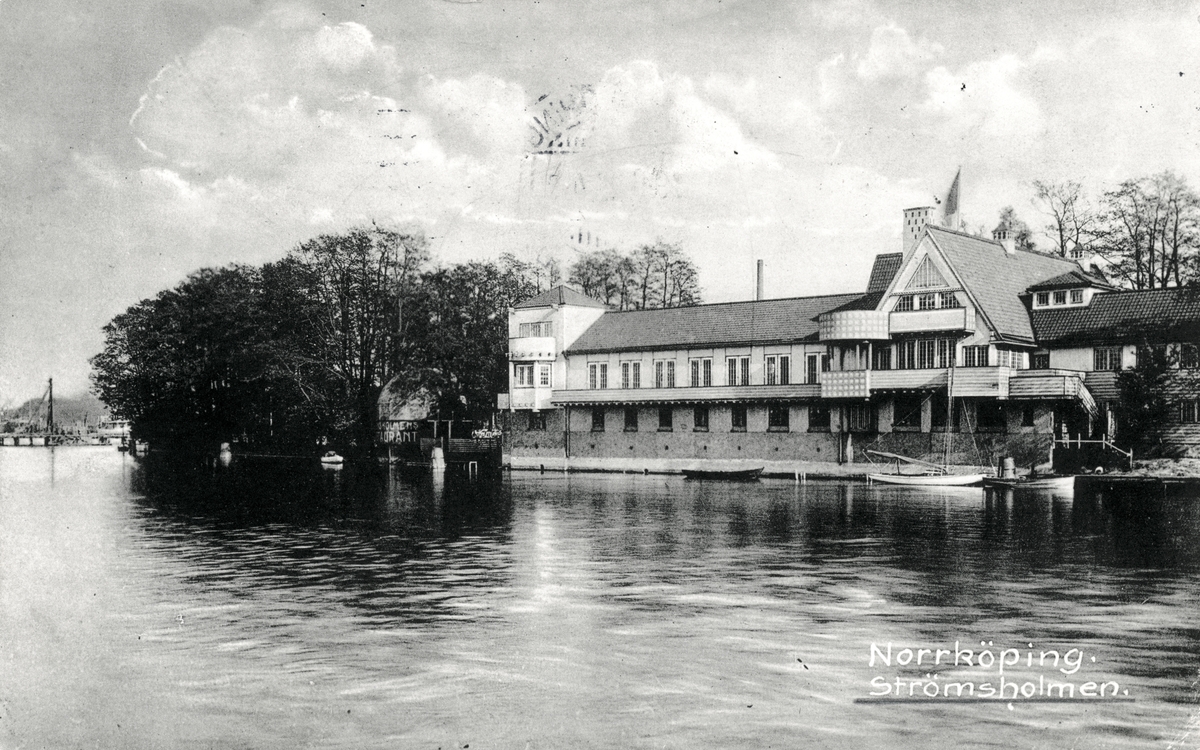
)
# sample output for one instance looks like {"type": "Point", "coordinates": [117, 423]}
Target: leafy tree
{"type": "Point", "coordinates": [652, 276]}
{"type": "Point", "coordinates": [1144, 407]}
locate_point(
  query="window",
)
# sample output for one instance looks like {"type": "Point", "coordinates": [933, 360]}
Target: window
{"type": "Point", "coordinates": [938, 415]}
{"type": "Point", "coordinates": [928, 301]}
{"type": "Point", "coordinates": [945, 352]}
{"type": "Point", "coordinates": [989, 416]}
{"type": "Point", "coordinates": [1028, 416]}
{"type": "Point", "coordinates": [700, 419]}
{"type": "Point", "coordinates": [907, 411]}
{"type": "Point", "coordinates": [524, 376]}
{"type": "Point", "coordinates": [1189, 356]}
{"type": "Point", "coordinates": [881, 358]}
{"type": "Point", "coordinates": [948, 300]}
{"type": "Point", "coordinates": [1188, 411]}
{"type": "Point", "coordinates": [904, 304]}
{"type": "Point", "coordinates": [1039, 361]}
{"type": "Point", "coordinates": [664, 373]}
{"type": "Point", "coordinates": [665, 423]}
{"type": "Point", "coordinates": [1060, 297]}
{"type": "Point", "coordinates": [975, 356]}
{"type": "Point", "coordinates": [631, 374]}
{"type": "Point", "coordinates": [597, 375]}
{"type": "Point", "coordinates": [818, 418]}
{"type": "Point", "coordinates": [1043, 299]}
{"type": "Point", "coordinates": [1076, 296]}
{"type": "Point", "coordinates": [1010, 358]}
{"type": "Point", "coordinates": [701, 373]}
{"type": "Point", "coordinates": [631, 419]}
{"type": "Point", "coordinates": [906, 355]}
{"type": "Point", "coordinates": [779, 369]}
{"type": "Point", "coordinates": [534, 329]}
{"type": "Point", "coordinates": [810, 374]}
{"type": "Point", "coordinates": [737, 419]}
{"type": "Point", "coordinates": [544, 376]}
{"type": "Point", "coordinates": [737, 371]}
{"type": "Point", "coordinates": [825, 359]}
{"type": "Point", "coordinates": [537, 420]}
{"type": "Point", "coordinates": [860, 418]}
{"type": "Point", "coordinates": [925, 354]}
{"type": "Point", "coordinates": [1106, 358]}
{"type": "Point", "coordinates": [778, 419]}
{"type": "Point", "coordinates": [598, 420]}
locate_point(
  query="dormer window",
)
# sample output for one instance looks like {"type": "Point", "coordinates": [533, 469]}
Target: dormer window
{"type": "Point", "coordinates": [1076, 296]}
{"type": "Point", "coordinates": [1043, 299]}
{"type": "Point", "coordinates": [1060, 297]}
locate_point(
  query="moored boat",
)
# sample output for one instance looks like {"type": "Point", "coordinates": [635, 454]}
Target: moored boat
{"type": "Point", "coordinates": [1063, 483]}
{"type": "Point", "coordinates": [927, 480]}
{"type": "Point", "coordinates": [332, 459]}
{"type": "Point", "coordinates": [729, 475]}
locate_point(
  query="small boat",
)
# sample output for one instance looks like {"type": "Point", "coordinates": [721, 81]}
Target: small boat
{"type": "Point", "coordinates": [1062, 483]}
{"type": "Point", "coordinates": [728, 475]}
{"type": "Point", "coordinates": [332, 459]}
{"type": "Point", "coordinates": [928, 474]}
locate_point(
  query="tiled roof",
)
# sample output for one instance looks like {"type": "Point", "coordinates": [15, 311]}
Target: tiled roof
{"type": "Point", "coordinates": [996, 279]}
{"type": "Point", "coordinates": [885, 268]}
{"type": "Point", "coordinates": [729, 323]}
{"type": "Point", "coordinates": [1157, 315]}
{"type": "Point", "coordinates": [560, 295]}
{"type": "Point", "coordinates": [1071, 279]}
{"type": "Point", "coordinates": [868, 301]}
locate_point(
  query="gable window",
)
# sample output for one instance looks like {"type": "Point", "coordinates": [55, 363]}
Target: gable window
{"type": "Point", "coordinates": [948, 300]}
{"type": "Point", "coordinates": [926, 276]}
{"type": "Point", "coordinates": [631, 419]}
{"type": "Point", "coordinates": [700, 419]}
{"type": "Point", "coordinates": [906, 414]}
{"type": "Point", "coordinates": [818, 418]}
{"type": "Point", "coordinates": [1076, 296]}
{"type": "Point", "coordinates": [904, 304]}
{"type": "Point", "coordinates": [1060, 297]}
{"type": "Point", "coordinates": [737, 418]}
{"type": "Point", "coordinates": [664, 373]}
{"type": "Point", "coordinates": [597, 375]}
{"type": "Point", "coordinates": [537, 421]}
{"type": "Point", "coordinates": [534, 329]}
{"type": "Point", "coordinates": [1106, 358]}
{"type": "Point", "coordinates": [524, 376]}
{"type": "Point", "coordinates": [701, 373]}
{"type": "Point", "coordinates": [665, 423]}
{"type": "Point", "coordinates": [737, 371]}
{"type": "Point", "coordinates": [598, 419]}
{"type": "Point", "coordinates": [928, 301]}
{"type": "Point", "coordinates": [779, 369]}
{"type": "Point", "coordinates": [975, 356]}
{"type": "Point", "coordinates": [1043, 299]}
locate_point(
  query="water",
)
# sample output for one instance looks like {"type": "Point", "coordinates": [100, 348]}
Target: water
{"type": "Point", "coordinates": [147, 604]}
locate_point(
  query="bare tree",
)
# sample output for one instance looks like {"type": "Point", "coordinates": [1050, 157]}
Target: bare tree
{"type": "Point", "coordinates": [1150, 231]}
{"type": "Point", "coordinates": [1073, 223]}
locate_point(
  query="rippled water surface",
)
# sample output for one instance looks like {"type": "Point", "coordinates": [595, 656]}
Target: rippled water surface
{"type": "Point", "coordinates": [155, 604]}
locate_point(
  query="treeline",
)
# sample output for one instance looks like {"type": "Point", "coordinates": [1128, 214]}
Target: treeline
{"type": "Point", "coordinates": [1147, 229]}
{"type": "Point", "coordinates": [299, 349]}
{"type": "Point", "coordinates": [650, 276]}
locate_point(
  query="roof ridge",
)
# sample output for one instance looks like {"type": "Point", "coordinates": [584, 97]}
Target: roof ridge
{"type": "Point", "coordinates": [737, 302]}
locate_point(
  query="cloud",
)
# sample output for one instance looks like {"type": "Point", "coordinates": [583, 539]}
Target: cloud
{"type": "Point", "coordinates": [345, 46]}
{"type": "Point", "coordinates": [984, 97]}
{"type": "Point", "coordinates": [894, 54]}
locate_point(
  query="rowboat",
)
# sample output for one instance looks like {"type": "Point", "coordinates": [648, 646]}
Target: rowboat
{"type": "Point", "coordinates": [928, 474]}
{"type": "Point", "coordinates": [729, 475]}
{"type": "Point", "coordinates": [332, 459]}
{"type": "Point", "coordinates": [1059, 483]}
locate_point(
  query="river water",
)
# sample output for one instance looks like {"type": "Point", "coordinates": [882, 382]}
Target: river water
{"type": "Point", "coordinates": [146, 603]}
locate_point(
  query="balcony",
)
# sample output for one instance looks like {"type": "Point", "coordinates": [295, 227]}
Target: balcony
{"type": "Point", "coordinates": [525, 348]}
{"type": "Point", "coordinates": [922, 321]}
{"type": "Point", "coordinates": [854, 325]}
{"type": "Point", "coordinates": [846, 384]}
{"type": "Point", "coordinates": [530, 398]}
{"type": "Point", "coordinates": [1053, 384]}
{"type": "Point", "coordinates": [714, 394]}
{"type": "Point", "coordinates": [969, 382]}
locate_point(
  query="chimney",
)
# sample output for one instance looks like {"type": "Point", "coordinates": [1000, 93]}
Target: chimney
{"type": "Point", "coordinates": [1005, 237]}
{"type": "Point", "coordinates": [758, 286]}
{"type": "Point", "coordinates": [915, 220]}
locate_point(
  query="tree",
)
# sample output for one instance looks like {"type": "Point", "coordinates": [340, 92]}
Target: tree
{"type": "Point", "coordinates": [1073, 223]}
{"type": "Point", "coordinates": [1149, 231]}
{"type": "Point", "coordinates": [1019, 230]}
{"type": "Point", "coordinates": [1143, 406]}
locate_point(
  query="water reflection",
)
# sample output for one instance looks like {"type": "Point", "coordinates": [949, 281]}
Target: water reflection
{"type": "Point", "coordinates": [373, 607]}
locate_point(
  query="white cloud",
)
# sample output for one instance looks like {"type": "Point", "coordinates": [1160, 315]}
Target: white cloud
{"type": "Point", "coordinates": [894, 54]}
{"type": "Point", "coordinates": [344, 46]}
{"type": "Point", "coordinates": [986, 97]}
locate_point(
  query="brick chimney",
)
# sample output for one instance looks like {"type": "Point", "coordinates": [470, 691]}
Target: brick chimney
{"type": "Point", "coordinates": [915, 220]}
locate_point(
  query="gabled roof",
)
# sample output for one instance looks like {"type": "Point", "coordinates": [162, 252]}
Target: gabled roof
{"type": "Point", "coordinates": [1156, 315]}
{"type": "Point", "coordinates": [724, 324]}
{"type": "Point", "coordinates": [868, 301]}
{"type": "Point", "coordinates": [995, 279]}
{"type": "Point", "coordinates": [560, 295]}
{"type": "Point", "coordinates": [1071, 279]}
{"type": "Point", "coordinates": [884, 270]}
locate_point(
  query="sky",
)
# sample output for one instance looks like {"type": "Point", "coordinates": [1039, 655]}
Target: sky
{"type": "Point", "coordinates": [141, 140]}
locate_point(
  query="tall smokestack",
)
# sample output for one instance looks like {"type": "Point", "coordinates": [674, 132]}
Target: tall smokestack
{"type": "Point", "coordinates": [758, 286]}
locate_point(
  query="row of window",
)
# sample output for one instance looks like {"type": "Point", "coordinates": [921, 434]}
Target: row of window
{"type": "Point", "coordinates": [777, 367]}
{"type": "Point", "coordinates": [535, 329]}
{"type": "Point", "coordinates": [1060, 297]}
{"type": "Point", "coordinates": [778, 419]}
{"type": "Point", "coordinates": [524, 375]}
{"type": "Point", "coordinates": [927, 301]}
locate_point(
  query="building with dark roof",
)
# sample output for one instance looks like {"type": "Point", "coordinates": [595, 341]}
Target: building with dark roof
{"type": "Point", "coordinates": [961, 350]}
